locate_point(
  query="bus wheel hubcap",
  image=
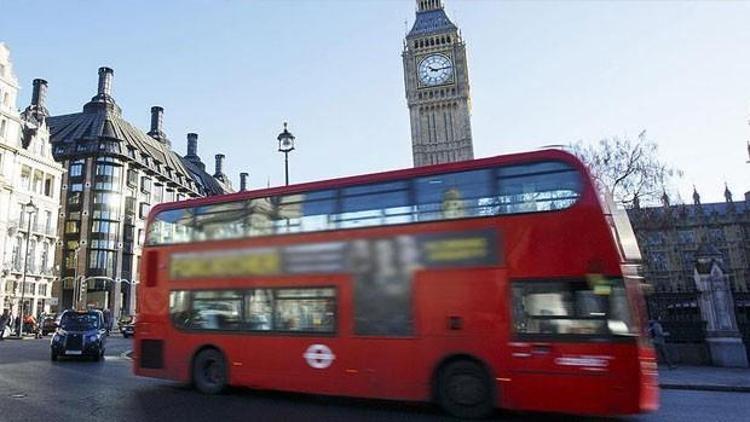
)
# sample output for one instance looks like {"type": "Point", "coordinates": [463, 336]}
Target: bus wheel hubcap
{"type": "Point", "coordinates": [212, 372]}
{"type": "Point", "coordinates": [466, 389]}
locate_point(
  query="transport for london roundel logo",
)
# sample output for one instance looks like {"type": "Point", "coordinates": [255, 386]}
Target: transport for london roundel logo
{"type": "Point", "coordinates": [319, 356]}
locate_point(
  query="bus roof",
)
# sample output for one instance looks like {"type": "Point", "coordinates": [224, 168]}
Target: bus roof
{"type": "Point", "coordinates": [506, 159]}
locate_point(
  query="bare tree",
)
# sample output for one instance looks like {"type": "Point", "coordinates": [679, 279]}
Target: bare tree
{"type": "Point", "coordinates": [630, 169]}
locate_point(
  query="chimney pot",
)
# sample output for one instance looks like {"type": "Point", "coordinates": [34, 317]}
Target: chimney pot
{"type": "Point", "coordinates": [192, 149]}
{"type": "Point", "coordinates": [219, 165]}
{"type": "Point", "coordinates": [39, 93]}
{"type": "Point", "coordinates": [157, 118]}
{"type": "Point", "coordinates": [105, 81]}
{"type": "Point", "coordinates": [243, 181]}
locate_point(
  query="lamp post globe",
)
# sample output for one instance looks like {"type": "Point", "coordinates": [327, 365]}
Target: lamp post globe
{"type": "Point", "coordinates": [286, 145]}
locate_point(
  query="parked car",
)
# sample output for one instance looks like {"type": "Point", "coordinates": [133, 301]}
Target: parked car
{"type": "Point", "coordinates": [49, 324]}
{"type": "Point", "coordinates": [80, 334]}
{"type": "Point", "coordinates": [127, 326]}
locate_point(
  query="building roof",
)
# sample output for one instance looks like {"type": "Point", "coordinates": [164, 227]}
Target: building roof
{"type": "Point", "coordinates": [652, 215]}
{"type": "Point", "coordinates": [100, 129]}
{"type": "Point", "coordinates": [431, 22]}
{"type": "Point", "coordinates": [207, 182]}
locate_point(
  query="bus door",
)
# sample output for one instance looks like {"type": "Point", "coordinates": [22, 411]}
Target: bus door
{"type": "Point", "coordinates": [561, 353]}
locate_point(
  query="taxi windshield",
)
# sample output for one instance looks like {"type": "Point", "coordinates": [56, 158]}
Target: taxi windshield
{"type": "Point", "coordinates": [79, 322]}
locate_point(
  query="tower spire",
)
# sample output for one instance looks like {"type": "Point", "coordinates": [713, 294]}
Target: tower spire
{"type": "Point", "coordinates": [696, 196]}
{"type": "Point", "coordinates": [427, 5]}
{"type": "Point", "coordinates": [727, 193]}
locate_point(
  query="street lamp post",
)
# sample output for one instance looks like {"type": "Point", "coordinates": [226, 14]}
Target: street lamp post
{"type": "Point", "coordinates": [286, 145]}
{"type": "Point", "coordinates": [30, 209]}
{"type": "Point", "coordinates": [76, 289]}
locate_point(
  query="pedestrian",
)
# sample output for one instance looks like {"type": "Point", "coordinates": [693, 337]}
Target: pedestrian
{"type": "Point", "coordinates": [107, 319]}
{"type": "Point", "coordinates": [39, 322]}
{"type": "Point", "coordinates": [660, 344]}
{"type": "Point", "coordinates": [4, 320]}
{"type": "Point", "coordinates": [29, 324]}
{"type": "Point", "coordinates": [14, 324]}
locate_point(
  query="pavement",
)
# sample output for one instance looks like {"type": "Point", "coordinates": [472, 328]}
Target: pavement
{"type": "Point", "coordinates": [33, 388]}
{"type": "Point", "coordinates": [705, 378]}
{"type": "Point", "coordinates": [696, 378]}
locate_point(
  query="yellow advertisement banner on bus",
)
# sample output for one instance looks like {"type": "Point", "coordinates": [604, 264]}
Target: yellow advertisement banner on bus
{"type": "Point", "coordinates": [398, 254]}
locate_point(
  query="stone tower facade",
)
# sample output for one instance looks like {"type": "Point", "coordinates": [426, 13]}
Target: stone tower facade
{"type": "Point", "coordinates": [436, 78]}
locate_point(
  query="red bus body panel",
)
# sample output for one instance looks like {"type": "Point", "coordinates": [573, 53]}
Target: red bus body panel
{"type": "Point", "coordinates": [457, 312]}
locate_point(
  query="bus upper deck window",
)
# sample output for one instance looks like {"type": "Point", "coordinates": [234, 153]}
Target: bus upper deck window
{"type": "Point", "coordinates": [544, 186]}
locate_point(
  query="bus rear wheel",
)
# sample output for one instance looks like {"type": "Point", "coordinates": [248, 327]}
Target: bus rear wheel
{"type": "Point", "coordinates": [465, 390]}
{"type": "Point", "coordinates": [210, 372]}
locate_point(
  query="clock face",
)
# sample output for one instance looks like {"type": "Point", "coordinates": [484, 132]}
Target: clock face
{"type": "Point", "coordinates": [435, 69]}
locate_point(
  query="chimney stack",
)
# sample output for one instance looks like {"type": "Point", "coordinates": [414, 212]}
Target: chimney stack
{"type": "Point", "coordinates": [105, 81]}
{"type": "Point", "coordinates": [192, 149]}
{"type": "Point", "coordinates": [39, 94]}
{"type": "Point", "coordinates": [219, 165]}
{"type": "Point", "coordinates": [243, 181]}
{"type": "Point", "coordinates": [157, 118]}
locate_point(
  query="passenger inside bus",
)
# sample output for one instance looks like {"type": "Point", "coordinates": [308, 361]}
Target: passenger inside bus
{"type": "Point", "coordinates": [453, 205]}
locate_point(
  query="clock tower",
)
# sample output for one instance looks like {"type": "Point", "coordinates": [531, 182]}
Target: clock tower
{"type": "Point", "coordinates": [436, 78]}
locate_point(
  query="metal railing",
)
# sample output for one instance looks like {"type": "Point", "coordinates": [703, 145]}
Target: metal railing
{"type": "Point", "coordinates": [680, 315]}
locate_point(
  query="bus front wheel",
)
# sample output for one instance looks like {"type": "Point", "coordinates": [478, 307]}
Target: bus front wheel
{"type": "Point", "coordinates": [210, 372]}
{"type": "Point", "coordinates": [465, 390]}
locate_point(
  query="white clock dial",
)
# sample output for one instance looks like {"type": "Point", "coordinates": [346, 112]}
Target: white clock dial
{"type": "Point", "coordinates": [435, 69]}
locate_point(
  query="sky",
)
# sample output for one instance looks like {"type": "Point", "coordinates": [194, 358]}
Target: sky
{"type": "Point", "coordinates": [541, 73]}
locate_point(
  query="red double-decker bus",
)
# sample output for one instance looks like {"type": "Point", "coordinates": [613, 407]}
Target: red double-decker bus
{"type": "Point", "coordinates": [499, 282]}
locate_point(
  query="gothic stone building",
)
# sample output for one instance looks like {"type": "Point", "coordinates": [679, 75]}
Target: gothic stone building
{"type": "Point", "coordinates": [436, 78]}
{"type": "Point", "coordinates": [671, 239]}
{"type": "Point", "coordinates": [115, 174]}
{"type": "Point", "coordinates": [670, 235]}
{"type": "Point", "coordinates": [30, 182]}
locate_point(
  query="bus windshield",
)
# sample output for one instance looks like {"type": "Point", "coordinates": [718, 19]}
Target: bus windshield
{"type": "Point", "coordinates": [621, 228]}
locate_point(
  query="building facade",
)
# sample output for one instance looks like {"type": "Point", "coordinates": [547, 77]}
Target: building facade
{"type": "Point", "coordinates": [30, 182]}
{"type": "Point", "coordinates": [669, 237]}
{"type": "Point", "coordinates": [690, 297]}
{"type": "Point", "coordinates": [436, 78]}
{"type": "Point", "coordinates": [115, 174]}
